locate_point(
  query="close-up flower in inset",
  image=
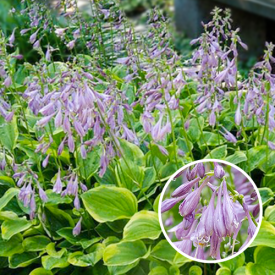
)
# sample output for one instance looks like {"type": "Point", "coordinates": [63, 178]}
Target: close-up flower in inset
{"type": "Point", "coordinates": [212, 215]}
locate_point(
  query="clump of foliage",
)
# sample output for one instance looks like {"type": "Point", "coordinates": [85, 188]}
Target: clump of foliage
{"type": "Point", "coordinates": [95, 124]}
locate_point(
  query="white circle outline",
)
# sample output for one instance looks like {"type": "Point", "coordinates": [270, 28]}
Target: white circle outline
{"type": "Point", "coordinates": [260, 212]}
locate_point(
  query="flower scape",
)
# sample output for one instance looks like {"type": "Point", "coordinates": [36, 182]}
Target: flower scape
{"type": "Point", "coordinates": [97, 112]}
{"type": "Point", "coordinates": [212, 228]}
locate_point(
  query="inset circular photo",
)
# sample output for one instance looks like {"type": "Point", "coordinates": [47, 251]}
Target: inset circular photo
{"type": "Point", "coordinates": [210, 211]}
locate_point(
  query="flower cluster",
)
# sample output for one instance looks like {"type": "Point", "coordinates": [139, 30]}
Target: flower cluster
{"type": "Point", "coordinates": [213, 227]}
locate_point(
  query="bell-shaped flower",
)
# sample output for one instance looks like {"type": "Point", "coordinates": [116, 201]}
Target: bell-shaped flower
{"type": "Point", "coordinates": [170, 203]}
{"type": "Point", "coordinates": [218, 170]}
{"type": "Point", "coordinates": [219, 226]}
{"type": "Point", "coordinates": [185, 188]}
{"type": "Point", "coordinates": [227, 210]}
{"type": "Point", "coordinates": [191, 201]}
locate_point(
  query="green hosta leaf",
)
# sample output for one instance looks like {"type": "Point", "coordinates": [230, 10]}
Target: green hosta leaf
{"type": "Point", "coordinates": [41, 271]}
{"type": "Point", "coordinates": [234, 263]}
{"type": "Point", "coordinates": [36, 243]}
{"type": "Point", "coordinates": [194, 129]}
{"type": "Point", "coordinates": [149, 177]}
{"type": "Point", "coordinates": [6, 198]}
{"type": "Point", "coordinates": [165, 252]}
{"type": "Point", "coordinates": [110, 203]}
{"type": "Point", "coordinates": [264, 262]}
{"type": "Point", "coordinates": [156, 203]}
{"type": "Point", "coordinates": [129, 175]}
{"type": "Point", "coordinates": [185, 146]}
{"type": "Point", "coordinates": [256, 155]}
{"type": "Point", "coordinates": [7, 215]}
{"type": "Point", "coordinates": [8, 181]}
{"type": "Point", "coordinates": [155, 152]}
{"type": "Point", "coordinates": [54, 198]}
{"type": "Point", "coordinates": [12, 246]}
{"type": "Point", "coordinates": [237, 157]}
{"type": "Point", "coordinates": [121, 270]}
{"type": "Point", "coordinates": [195, 270]}
{"type": "Point", "coordinates": [8, 133]}
{"type": "Point", "coordinates": [240, 271]}
{"type": "Point", "coordinates": [266, 195]}
{"type": "Point", "coordinates": [174, 270]}
{"type": "Point", "coordinates": [211, 139]}
{"type": "Point", "coordinates": [269, 181]}
{"type": "Point", "coordinates": [132, 152]}
{"type": "Point", "coordinates": [217, 153]}
{"type": "Point", "coordinates": [10, 228]}
{"type": "Point", "coordinates": [83, 239]}
{"type": "Point", "coordinates": [124, 253]}
{"type": "Point", "coordinates": [159, 270]}
{"type": "Point", "coordinates": [167, 170]}
{"type": "Point", "coordinates": [89, 166]}
{"type": "Point", "coordinates": [90, 259]}
{"type": "Point", "coordinates": [270, 214]}
{"type": "Point", "coordinates": [266, 235]}
{"type": "Point", "coordinates": [50, 262]}
{"type": "Point", "coordinates": [143, 225]}
{"type": "Point", "coordinates": [223, 271]}
{"type": "Point", "coordinates": [22, 260]}
{"type": "Point", "coordinates": [57, 219]}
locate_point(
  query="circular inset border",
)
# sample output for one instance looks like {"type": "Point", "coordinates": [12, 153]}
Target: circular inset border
{"type": "Point", "coordinates": [260, 212]}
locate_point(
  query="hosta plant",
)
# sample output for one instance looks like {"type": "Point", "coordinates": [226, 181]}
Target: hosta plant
{"type": "Point", "coordinates": [97, 115]}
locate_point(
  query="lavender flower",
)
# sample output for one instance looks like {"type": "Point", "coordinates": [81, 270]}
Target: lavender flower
{"type": "Point", "coordinates": [77, 228]}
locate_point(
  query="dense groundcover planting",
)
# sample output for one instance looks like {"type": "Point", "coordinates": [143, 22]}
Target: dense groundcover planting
{"type": "Point", "coordinates": [95, 117]}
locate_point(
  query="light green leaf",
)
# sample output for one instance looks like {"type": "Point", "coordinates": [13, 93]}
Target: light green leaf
{"type": "Point", "coordinates": [165, 252]}
{"type": "Point", "coordinates": [22, 260]}
{"type": "Point", "coordinates": [234, 263]}
{"type": "Point", "coordinates": [121, 269]}
{"type": "Point", "coordinates": [264, 262]}
{"type": "Point", "coordinates": [80, 259]}
{"type": "Point", "coordinates": [130, 175]}
{"type": "Point", "coordinates": [237, 157]}
{"type": "Point", "coordinates": [6, 198]}
{"type": "Point", "coordinates": [149, 177]}
{"type": "Point", "coordinates": [159, 270]}
{"type": "Point", "coordinates": [195, 270]}
{"type": "Point", "coordinates": [124, 253]}
{"type": "Point", "coordinates": [36, 243]}
{"type": "Point", "coordinates": [240, 271]}
{"type": "Point", "coordinates": [89, 166]}
{"type": "Point", "coordinates": [41, 271]}
{"type": "Point", "coordinates": [12, 246]}
{"type": "Point", "coordinates": [217, 153]}
{"type": "Point", "coordinates": [10, 228]}
{"type": "Point", "coordinates": [266, 235]}
{"type": "Point", "coordinates": [50, 262]}
{"type": "Point", "coordinates": [223, 271]}
{"type": "Point", "coordinates": [8, 133]}
{"type": "Point", "coordinates": [132, 152]}
{"type": "Point", "coordinates": [83, 239]}
{"type": "Point", "coordinates": [256, 156]}
{"type": "Point", "coordinates": [156, 203]}
{"type": "Point", "coordinates": [211, 139]}
{"type": "Point", "coordinates": [54, 198]}
{"type": "Point", "coordinates": [143, 225]}
{"type": "Point", "coordinates": [194, 129]}
{"type": "Point", "coordinates": [270, 214]}
{"type": "Point", "coordinates": [267, 195]}
{"type": "Point", "coordinates": [110, 203]}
